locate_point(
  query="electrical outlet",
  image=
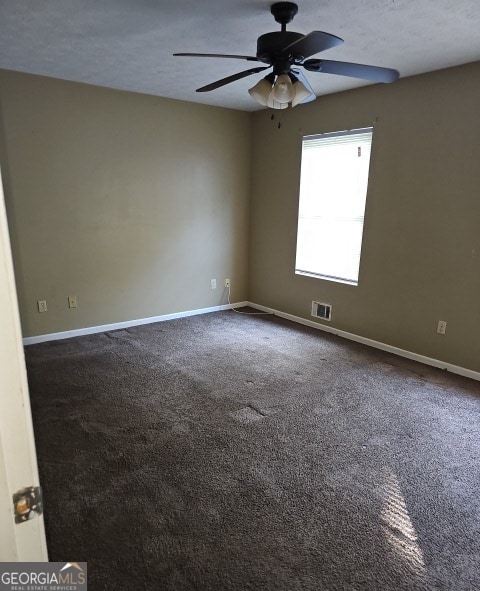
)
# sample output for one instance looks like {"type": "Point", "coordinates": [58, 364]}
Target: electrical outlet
{"type": "Point", "coordinates": [227, 282]}
{"type": "Point", "coordinates": [442, 327]}
{"type": "Point", "coordinates": [42, 305]}
{"type": "Point", "coordinates": [213, 283]}
{"type": "Point", "coordinates": [72, 301]}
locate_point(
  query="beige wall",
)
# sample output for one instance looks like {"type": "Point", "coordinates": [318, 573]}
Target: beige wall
{"type": "Point", "coordinates": [421, 248]}
{"type": "Point", "coordinates": [132, 203]}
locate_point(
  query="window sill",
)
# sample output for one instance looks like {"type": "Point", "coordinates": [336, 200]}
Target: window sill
{"type": "Point", "coordinates": [327, 278]}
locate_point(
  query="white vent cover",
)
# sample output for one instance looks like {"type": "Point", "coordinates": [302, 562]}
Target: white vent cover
{"type": "Point", "coordinates": [323, 311]}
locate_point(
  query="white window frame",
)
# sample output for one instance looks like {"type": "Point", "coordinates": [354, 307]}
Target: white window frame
{"type": "Point", "coordinates": [332, 205]}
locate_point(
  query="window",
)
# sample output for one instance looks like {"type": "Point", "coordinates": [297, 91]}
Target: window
{"type": "Point", "coordinates": [333, 192]}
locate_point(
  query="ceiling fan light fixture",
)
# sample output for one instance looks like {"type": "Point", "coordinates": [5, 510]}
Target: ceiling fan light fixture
{"type": "Point", "coordinates": [262, 90]}
{"type": "Point", "coordinates": [283, 89]}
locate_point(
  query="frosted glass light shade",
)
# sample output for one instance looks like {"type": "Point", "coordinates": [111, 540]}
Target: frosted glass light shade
{"type": "Point", "coordinates": [283, 89]}
{"type": "Point", "coordinates": [261, 91]}
{"type": "Point", "coordinates": [301, 93]}
{"type": "Point", "coordinates": [273, 104]}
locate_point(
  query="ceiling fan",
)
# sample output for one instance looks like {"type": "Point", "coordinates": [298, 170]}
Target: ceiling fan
{"type": "Point", "coordinates": [286, 52]}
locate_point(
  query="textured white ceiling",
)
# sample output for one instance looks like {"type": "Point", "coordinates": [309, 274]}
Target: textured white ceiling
{"type": "Point", "coordinates": [128, 44]}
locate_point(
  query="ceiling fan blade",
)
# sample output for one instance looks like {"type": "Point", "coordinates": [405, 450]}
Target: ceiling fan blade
{"type": "Point", "coordinates": [303, 79]}
{"type": "Point", "coordinates": [372, 73]}
{"type": "Point", "coordinates": [313, 43]}
{"type": "Point", "coordinates": [229, 79]}
{"type": "Point", "coordinates": [249, 58]}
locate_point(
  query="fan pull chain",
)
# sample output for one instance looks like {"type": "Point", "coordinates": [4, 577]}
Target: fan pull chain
{"type": "Point", "coordinates": [272, 118]}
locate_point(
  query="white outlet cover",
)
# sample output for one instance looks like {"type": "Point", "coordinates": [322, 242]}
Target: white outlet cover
{"type": "Point", "coordinates": [442, 327]}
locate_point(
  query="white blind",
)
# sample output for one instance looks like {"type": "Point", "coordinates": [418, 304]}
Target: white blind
{"type": "Point", "coordinates": [333, 190]}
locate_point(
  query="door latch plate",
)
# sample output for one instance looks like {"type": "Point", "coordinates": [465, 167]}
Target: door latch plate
{"type": "Point", "coordinates": [27, 503]}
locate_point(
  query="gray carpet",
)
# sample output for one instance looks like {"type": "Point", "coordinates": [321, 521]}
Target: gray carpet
{"type": "Point", "coordinates": [231, 452]}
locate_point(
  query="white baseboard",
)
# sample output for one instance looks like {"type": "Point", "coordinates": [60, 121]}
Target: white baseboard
{"type": "Point", "coordinates": [341, 333]}
{"type": "Point", "coordinates": [55, 336]}
{"type": "Point", "coordinates": [468, 373]}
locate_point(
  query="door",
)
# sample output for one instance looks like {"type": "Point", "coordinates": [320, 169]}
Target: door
{"type": "Point", "coordinates": [18, 462]}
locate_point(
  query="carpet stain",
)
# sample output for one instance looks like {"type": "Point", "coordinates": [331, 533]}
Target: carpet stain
{"type": "Point", "coordinates": [248, 414]}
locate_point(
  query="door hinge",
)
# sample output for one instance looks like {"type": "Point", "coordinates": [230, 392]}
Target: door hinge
{"type": "Point", "coordinates": [27, 504]}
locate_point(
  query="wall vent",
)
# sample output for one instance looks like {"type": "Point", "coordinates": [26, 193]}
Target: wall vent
{"type": "Point", "coordinates": [323, 311]}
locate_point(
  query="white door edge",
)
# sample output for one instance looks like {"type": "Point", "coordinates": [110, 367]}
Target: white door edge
{"type": "Point", "coordinates": [18, 461]}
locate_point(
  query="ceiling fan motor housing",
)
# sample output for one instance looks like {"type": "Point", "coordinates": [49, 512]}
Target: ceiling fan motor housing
{"type": "Point", "coordinates": [270, 46]}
